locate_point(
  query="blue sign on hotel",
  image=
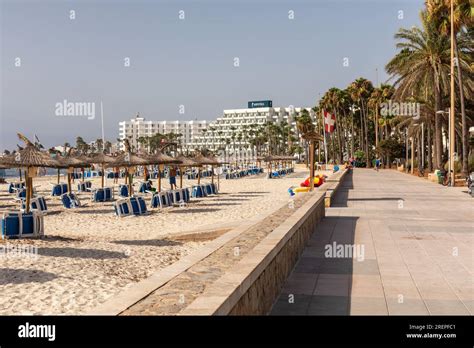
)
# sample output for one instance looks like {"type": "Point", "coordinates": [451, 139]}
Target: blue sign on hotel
{"type": "Point", "coordinates": [260, 104]}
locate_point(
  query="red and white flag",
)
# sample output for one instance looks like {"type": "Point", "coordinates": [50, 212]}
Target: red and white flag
{"type": "Point", "coordinates": [329, 122]}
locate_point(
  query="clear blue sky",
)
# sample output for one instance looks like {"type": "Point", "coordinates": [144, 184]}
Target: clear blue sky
{"type": "Point", "coordinates": [182, 62]}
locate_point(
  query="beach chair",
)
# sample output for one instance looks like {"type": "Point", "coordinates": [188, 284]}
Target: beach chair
{"type": "Point", "coordinates": [37, 204]}
{"type": "Point", "coordinates": [84, 186]}
{"type": "Point", "coordinates": [208, 189]}
{"type": "Point", "coordinates": [15, 186]}
{"type": "Point", "coordinates": [16, 224]}
{"type": "Point", "coordinates": [160, 200]}
{"type": "Point", "coordinates": [145, 187]}
{"type": "Point", "coordinates": [214, 189]}
{"type": "Point", "coordinates": [105, 194]}
{"type": "Point", "coordinates": [138, 205]}
{"type": "Point", "coordinates": [186, 194]}
{"type": "Point", "coordinates": [20, 194]}
{"type": "Point", "coordinates": [197, 191]}
{"type": "Point", "coordinates": [70, 200]}
{"type": "Point", "coordinates": [123, 190]}
{"type": "Point", "coordinates": [134, 205]}
{"type": "Point", "coordinates": [59, 189]}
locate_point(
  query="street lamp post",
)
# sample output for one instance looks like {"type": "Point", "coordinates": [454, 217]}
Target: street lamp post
{"type": "Point", "coordinates": [452, 109]}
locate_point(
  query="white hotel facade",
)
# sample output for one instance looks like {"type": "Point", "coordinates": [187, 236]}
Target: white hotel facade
{"type": "Point", "coordinates": [218, 133]}
{"type": "Point", "coordinates": [232, 122]}
{"type": "Point", "coordinates": [139, 127]}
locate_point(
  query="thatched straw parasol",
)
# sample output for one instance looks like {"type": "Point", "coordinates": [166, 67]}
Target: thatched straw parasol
{"type": "Point", "coordinates": [129, 160]}
{"type": "Point", "coordinates": [30, 158]}
{"type": "Point", "coordinates": [102, 159]}
{"type": "Point", "coordinates": [185, 162]}
{"type": "Point", "coordinates": [160, 159]}
{"type": "Point", "coordinates": [71, 162]}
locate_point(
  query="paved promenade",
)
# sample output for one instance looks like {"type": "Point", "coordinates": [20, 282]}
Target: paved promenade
{"type": "Point", "coordinates": [415, 241]}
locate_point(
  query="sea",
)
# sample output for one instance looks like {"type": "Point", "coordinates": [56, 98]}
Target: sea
{"type": "Point", "coordinates": [8, 173]}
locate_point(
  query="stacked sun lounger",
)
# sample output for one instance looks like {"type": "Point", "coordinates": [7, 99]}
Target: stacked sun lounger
{"type": "Point", "coordinates": [123, 191]}
{"type": "Point", "coordinates": [84, 186]}
{"type": "Point", "coordinates": [160, 200]}
{"type": "Point", "coordinates": [144, 187]}
{"type": "Point", "coordinates": [37, 204]}
{"type": "Point", "coordinates": [14, 186]}
{"type": "Point", "coordinates": [242, 173]}
{"type": "Point", "coordinates": [59, 189]}
{"type": "Point", "coordinates": [130, 206]}
{"type": "Point", "coordinates": [104, 194]}
{"type": "Point", "coordinates": [70, 200]}
{"type": "Point", "coordinates": [16, 224]}
{"type": "Point", "coordinates": [280, 172]}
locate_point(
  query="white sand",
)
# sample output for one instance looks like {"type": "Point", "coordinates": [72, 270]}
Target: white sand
{"type": "Point", "coordinates": [89, 254]}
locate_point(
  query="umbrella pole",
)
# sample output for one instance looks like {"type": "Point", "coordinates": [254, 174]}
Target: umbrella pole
{"type": "Point", "coordinates": [69, 182]}
{"type": "Point", "coordinates": [130, 187]}
{"type": "Point", "coordinates": [59, 175]}
{"type": "Point", "coordinates": [28, 192]}
{"type": "Point", "coordinates": [180, 177]}
{"type": "Point", "coordinates": [159, 179]}
{"type": "Point", "coordinates": [20, 174]}
{"type": "Point", "coordinates": [212, 176]}
{"type": "Point", "coordinates": [199, 175]}
{"type": "Point", "coordinates": [218, 183]}
{"type": "Point", "coordinates": [103, 175]}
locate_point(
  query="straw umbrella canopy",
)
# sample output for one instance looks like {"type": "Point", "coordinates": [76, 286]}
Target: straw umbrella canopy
{"type": "Point", "coordinates": [185, 162]}
{"type": "Point", "coordinates": [30, 158]}
{"type": "Point", "coordinates": [102, 159]}
{"type": "Point", "coordinates": [129, 160]}
{"type": "Point", "coordinates": [202, 160]}
{"type": "Point", "coordinates": [71, 162]}
{"type": "Point", "coordinates": [161, 158]}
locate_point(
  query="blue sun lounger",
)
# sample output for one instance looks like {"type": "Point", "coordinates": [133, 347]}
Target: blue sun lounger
{"type": "Point", "coordinates": [59, 189]}
{"type": "Point", "coordinates": [145, 187]}
{"type": "Point", "coordinates": [130, 206]}
{"type": "Point", "coordinates": [123, 191]}
{"type": "Point", "coordinates": [84, 186]}
{"type": "Point", "coordinates": [19, 224]}
{"type": "Point", "coordinates": [14, 186]}
{"type": "Point", "coordinates": [37, 204]}
{"type": "Point", "coordinates": [70, 201]}
{"type": "Point", "coordinates": [105, 194]}
{"type": "Point", "coordinates": [160, 200]}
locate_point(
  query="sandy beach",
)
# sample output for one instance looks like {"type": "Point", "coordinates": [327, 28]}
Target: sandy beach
{"type": "Point", "coordinates": [88, 254]}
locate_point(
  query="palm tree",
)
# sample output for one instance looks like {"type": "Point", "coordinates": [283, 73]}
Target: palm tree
{"type": "Point", "coordinates": [439, 13]}
{"type": "Point", "coordinates": [423, 60]}
{"type": "Point", "coordinates": [360, 90]}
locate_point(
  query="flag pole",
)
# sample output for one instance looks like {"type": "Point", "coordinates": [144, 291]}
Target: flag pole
{"type": "Point", "coordinates": [325, 143]}
{"type": "Point", "coordinates": [102, 116]}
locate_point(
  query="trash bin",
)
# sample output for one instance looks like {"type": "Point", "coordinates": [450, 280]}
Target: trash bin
{"type": "Point", "coordinates": [440, 175]}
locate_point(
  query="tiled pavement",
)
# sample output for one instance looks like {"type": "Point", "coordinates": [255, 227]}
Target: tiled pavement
{"type": "Point", "coordinates": [418, 244]}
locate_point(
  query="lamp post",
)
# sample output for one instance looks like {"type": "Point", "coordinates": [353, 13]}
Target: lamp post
{"type": "Point", "coordinates": [452, 109]}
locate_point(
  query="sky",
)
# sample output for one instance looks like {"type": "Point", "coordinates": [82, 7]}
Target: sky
{"type": "Point", "coordinates": [288, 51]}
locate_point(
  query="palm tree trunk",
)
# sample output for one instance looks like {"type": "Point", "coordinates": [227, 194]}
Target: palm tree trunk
{"type": "Point", "coordinates": [438, 140]}
{"type": "Point", "coordinates": [464, 132]}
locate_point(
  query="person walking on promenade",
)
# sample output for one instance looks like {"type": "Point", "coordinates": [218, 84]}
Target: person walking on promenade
{"type": "Point", "coordinates": [377, 164]}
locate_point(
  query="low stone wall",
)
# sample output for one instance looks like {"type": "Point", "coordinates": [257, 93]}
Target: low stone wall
{"type": "Point", "coordinates": [252, 286]}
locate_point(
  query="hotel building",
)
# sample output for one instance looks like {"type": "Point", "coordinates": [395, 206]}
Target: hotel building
{"type": "Point", "coordinates": [139, 127]}
{"type": "Point", "coordinates": [233, 121]}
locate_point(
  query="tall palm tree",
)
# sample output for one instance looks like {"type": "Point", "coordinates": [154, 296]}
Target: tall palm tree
{"type": "Point", "coordinates": [439, 12]}
{"type": "Point", "coordinates": [423, 60]}
{"type": "Point", "coordinates": [360, 90]}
